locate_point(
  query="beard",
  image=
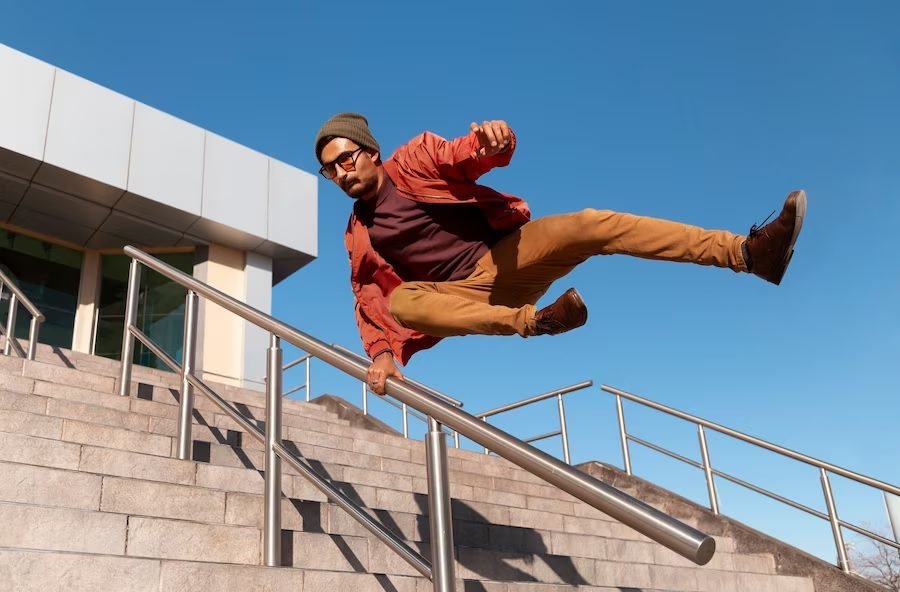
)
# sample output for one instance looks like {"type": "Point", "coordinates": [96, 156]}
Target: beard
{"type": "Point", "coordinates": [364, 190]}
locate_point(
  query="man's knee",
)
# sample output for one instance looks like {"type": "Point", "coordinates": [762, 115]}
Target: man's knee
{"type": "Point", "coordinates": [401, 304]}
{"type": "Point", "coordinates": [589, 217]}
{"type": "Point", "coordinates": [585, 226]}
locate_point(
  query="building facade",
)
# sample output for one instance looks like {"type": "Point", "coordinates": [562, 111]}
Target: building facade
{"type": "Point", "coordinates": [85, 171]}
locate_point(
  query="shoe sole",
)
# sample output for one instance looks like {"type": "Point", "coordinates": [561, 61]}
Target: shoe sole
{"type": "Point", "coordinates": [798, 224]}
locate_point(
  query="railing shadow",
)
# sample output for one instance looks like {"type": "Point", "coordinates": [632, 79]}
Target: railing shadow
{"type": "Point", "coordinates": [472, 531]}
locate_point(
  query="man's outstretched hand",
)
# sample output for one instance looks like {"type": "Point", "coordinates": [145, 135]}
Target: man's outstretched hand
{"type": "Point", "coordinates": [382, 368]}
{"type": "Point", "coordinates": [493, 136]}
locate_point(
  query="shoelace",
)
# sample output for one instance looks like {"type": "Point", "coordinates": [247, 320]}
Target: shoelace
{"type": "Point", "coordinates": [756, 227]}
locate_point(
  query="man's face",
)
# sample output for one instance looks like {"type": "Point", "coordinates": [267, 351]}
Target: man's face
{"type": "Point", "coordinates": [361, 181]}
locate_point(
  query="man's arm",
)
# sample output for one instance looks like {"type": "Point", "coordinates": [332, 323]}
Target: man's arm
{"type": "Point", "coordinates": [466, 158]}
{"type": "Point", "coordinates": [376, 345]}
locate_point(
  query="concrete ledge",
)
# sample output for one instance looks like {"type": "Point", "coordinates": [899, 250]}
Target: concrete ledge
{"type": "Point", "coordinates": [353, 414]}
{"type": "Point", "coordinates": [789, 561]}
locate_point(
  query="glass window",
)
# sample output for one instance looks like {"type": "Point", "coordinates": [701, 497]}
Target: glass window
{"type": "Point", "coordinates": [160, 309]}
{"type": "Point", "coordinates": [49, 275]}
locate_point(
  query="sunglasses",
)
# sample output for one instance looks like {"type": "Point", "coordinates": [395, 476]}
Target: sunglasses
{"type": "Point", "coordinates": [346, 160]}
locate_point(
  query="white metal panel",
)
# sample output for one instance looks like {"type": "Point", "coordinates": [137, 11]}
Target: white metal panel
{"type": "Point", "coordinates": [293, 208]}
{"type": "Point", "coordinates": [90, 130]}
{"type": "Point", "coordinates": [26, 85]}
{"type": "Point", "coordinates": [235, 186]}
{"type": "Point", "coordinates": [166, 160]}
{"type": "Point", "coordinates": [258, 294]}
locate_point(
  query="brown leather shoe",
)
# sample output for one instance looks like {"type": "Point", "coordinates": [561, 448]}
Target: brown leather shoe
{"type": "Point", "coordinates": [771, 247]}
{"type": "Point", "coordinates": [567, 313]}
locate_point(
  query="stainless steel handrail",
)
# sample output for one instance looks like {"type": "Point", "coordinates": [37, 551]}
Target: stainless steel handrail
{"type": "Point", "coordinates": [550, 394]}
{"type": "Point", "coordinates": [293, 363]}
{"type": "Point", "coordinates": [334, 494]}
{"type": "Point", "coordinates": [307, 358]}
{"type": "Point", "coordinates": [404, 409]}
{"type": "Point", "coordinates": [17, 296]}
{"type": "Point", "coordinates": [431, 391]}
{"type": "Point", "coordinates": [365, 393]}
{"type": "Point", "coordinates": [412, 412]}
{"type": "Point", "coordinates": [677, 536]}
{"type": "Point", "coordinates": [563, 430]}
{"type": "Point", "coordinates": [271, 437]}
{"type": "Point", "coordinates": [825, 468]}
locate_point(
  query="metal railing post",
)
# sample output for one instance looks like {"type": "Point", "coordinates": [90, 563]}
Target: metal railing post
{"type": "Point", "coordinates": [131, 306]}
{"type": "Point", "coordinates": [405, 410]}
{"type": "Point", "coordinates": [308, 362]}
{"type": "Point", "coordinates": [707, 469]}
{"type": "Point", "coordinates": [563, 432]}
{"type": "Point", "coordinates": [10, 323]}
{"type": "Point", "coordinates": [623, 435]}
{"type": "Point", "coordinates": [272, 546]}
{"type": "Point", "coordinates": [365, 397]}
{"type": "Point", "coordinates": [33, 330]}
{"type": "Point", "coordinates": [440, 518]}
{"type": "Point", "coordinates": [456, 439]}
{"type": "Point", "coordinates": [188, 348]}
{"type": "Point", "coordinates": [835, 521]}
{"type": "Point", "coordinates": [486, 451]}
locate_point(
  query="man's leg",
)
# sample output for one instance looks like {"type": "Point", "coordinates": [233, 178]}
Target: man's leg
{"type": "Point", "coordinates": [461, 307]}
{"type": "Point", "coordinates": [499, 298]}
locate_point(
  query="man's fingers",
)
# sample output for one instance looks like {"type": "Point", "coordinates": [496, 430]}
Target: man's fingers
{"type": "Point", "coordinates": [489, 134]}
{"type": "Point", "coordinates": [502, 131]}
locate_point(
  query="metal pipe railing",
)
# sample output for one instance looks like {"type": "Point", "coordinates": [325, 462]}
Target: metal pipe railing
{"type": "Point", "coordinates": [406, 411]}
{"type": "Point", "coordinates": [677, 536]}
{"type": "Point", "coordinates": [561, 391]}
{"type": "Point", "coordinates": [272, 520]}
{"type": "Point", "coordinates": [563, 431]}
{"type": "Point", "coordinates": [431, 391]}
{"type": "Point", "coordinates": [306, 386]}
{"type": "Point", "coordinates": [831, 514]}
{"type": "Point", "coordinates": [17, 297]}
{"type": "Point", "coordinates": [831, 468]}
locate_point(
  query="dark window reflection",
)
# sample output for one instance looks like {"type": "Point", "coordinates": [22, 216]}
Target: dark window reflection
{"type": "Point", "coordinates": [160, 309]}
{"type": "Point", "coordinates": [49, 275]}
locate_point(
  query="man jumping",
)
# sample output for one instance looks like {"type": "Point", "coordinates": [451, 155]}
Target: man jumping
{"type": "Point", "coordinates": [434, 254]}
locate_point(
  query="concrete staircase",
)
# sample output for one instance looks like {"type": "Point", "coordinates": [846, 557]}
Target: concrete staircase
{"type": "Point", "coordinates": [91, 500]}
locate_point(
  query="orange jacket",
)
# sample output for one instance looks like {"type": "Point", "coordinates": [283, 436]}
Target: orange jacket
{"type": "Point", "coordinates": [433, 170]}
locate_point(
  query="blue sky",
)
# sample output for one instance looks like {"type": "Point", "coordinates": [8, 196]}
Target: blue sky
{"type": "Point", "coordinates": [702, 112]}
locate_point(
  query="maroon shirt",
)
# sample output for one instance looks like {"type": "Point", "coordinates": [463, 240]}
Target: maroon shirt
{"type": "Point", "coordinates": [426, 241]}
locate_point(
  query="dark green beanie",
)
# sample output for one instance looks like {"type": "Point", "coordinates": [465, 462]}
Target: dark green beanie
{"type": "Point", "coordinates": [352, 126]}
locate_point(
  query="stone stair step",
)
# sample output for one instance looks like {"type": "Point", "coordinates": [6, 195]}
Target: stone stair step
{"type": "Point", "coordinates": [20, 448]}
{"type": "Point", "coordinates": [61, 529]}
{"type": "Point", "coordinates": [28, 484]}
{"type": "Point", "coordinates": [192, 541]}
{"type": "Point", "coordinates": [23, 570]}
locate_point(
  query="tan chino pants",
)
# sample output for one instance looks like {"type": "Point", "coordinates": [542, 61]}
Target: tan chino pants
{"type": "Point", "coordinates": [499, 297]}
